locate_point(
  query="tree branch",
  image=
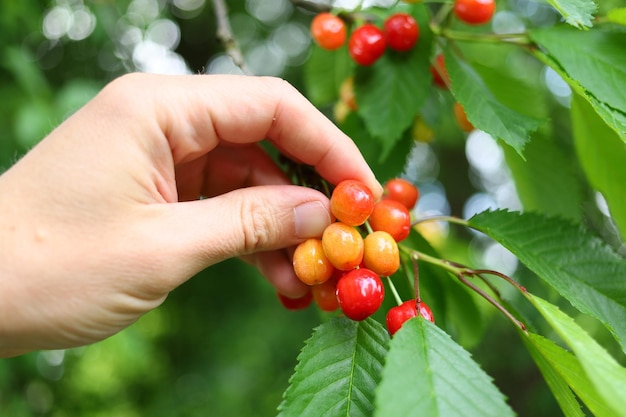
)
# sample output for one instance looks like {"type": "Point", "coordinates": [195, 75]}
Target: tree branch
{"type": "Point", "coordinates": [225, 35]}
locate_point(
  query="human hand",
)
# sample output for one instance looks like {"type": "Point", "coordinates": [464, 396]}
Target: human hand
{"type": "Point", "coordinates": [101, 220]}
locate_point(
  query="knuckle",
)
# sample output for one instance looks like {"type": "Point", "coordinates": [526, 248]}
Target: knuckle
{"type": "Point", "coordinates": [259, 226]}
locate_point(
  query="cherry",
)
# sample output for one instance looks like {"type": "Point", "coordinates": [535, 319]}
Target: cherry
{"type": "Point", "coordinates": [360, 293]}
{"type": "Point", "coordinates": [461, 117]}
{"type": "Point", "coordinates": [401, 190]}
{"type": "Point", "coordinates": [392, 217]}
{"type": "Point", "coordinates": [366, 44]}
{"type": "Point", "coordinates": [296, 303]}
{"type": "Point", "coordinates": [398, 315]}
{"type": "Point", "coordinates": [401, 31]}
{"type": "Point", "coordinates": [474, 12]}
{"type": "Point", "coordinates": [325, 294]}
{"type": "Point", "coordinates": [328, 31]}
{"type": "Point", "coordinates": [310, 263]}
{"type": "Point", "coordinates": [439, 72]}
{"type": "Point", "coordinates": [381, 253]}
{"type": "Point", "coordinates": [346, 93]}
{"type": "Point", "coordinates": [343, 246]}
{"type": "Point", "coordinates": [352, 202]}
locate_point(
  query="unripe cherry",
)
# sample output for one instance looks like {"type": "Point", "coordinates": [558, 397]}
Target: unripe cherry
{"type": "Point", "coordinates": [351, 202]}
{"type": "Point", "coordinates": [343, 246]}
{"type": "Point", "coordinates": [392, 217]}
{"type": "Point", "coordinates": [310, 263]}
{"type": "Point", "coordinates": [381, 253]}
{"type": "Point", "coordinates": [401, 190]}
{"type": "Point", "coordinates": [325, 295]}
{"type": "Point", "coordinates": [328, 31]}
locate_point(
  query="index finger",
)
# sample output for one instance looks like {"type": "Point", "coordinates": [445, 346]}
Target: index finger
{"type": "Point", "coordinates": [197, 112]}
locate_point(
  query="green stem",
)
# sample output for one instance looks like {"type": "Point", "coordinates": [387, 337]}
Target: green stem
{"type": "Point", "coordinates": [395, 292]}
{"type": "Point", "coordinates": [512, 38]}
{"type": "Point", "coordinates": [449, 219]}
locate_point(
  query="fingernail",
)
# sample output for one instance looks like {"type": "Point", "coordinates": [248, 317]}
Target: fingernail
{"type": "Point", "coordinates": [311, 219]}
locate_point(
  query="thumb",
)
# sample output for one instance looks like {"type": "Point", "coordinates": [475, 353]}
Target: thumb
{"type": "Point", "coordinates": [201, 233]}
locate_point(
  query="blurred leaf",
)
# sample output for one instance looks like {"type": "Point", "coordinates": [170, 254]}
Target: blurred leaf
{"type": "Point", "coordinates": [427, 374]}
{"type": "Point", "coordinates": [324, 72]}
{"type": "Point", "coordinates": [337, 370]}
{"type": "Point", "coordinates": [391, 92]}
{"type": "Point", "coordinates": [596, 61]}
{"type": "Point", "coordinates": [27, 72]}
{"type": "Point", "coordinates": [617, 16]}
{"type": "Point", "coordinates": [546, 179]}
{"type": "Point", "coordinates": [602, 155]}
{"type": "Point", "coordinates": [577, 13]}
{"type": "Point", "coordinates": [561, 369]}
{"type": "Point", "coordinates": [482, 107]}
{"type": "Point", "coordinates": [384, 166]}
{"type": "Point", "coordinates": [580, 266]}
{"type": "Point", "coordinates": [606, 375]}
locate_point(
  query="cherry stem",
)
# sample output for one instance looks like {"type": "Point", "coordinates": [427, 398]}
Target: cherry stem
{"type": "Point", "coordinates": [394, 291]}
{"type": "Point", "coordinates": [462, 272]}
{"type": "Point", "coordinates": [449, 219]}
{"type": "Point", "coordinates": [491, 300]}
{"type": "Point", "coordinates": [416, 278]}
{"type": "Point", "coordinates": [513, 38]}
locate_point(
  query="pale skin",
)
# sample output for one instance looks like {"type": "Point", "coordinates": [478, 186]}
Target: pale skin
{"type": "Point", "coordinates": [103, 218]}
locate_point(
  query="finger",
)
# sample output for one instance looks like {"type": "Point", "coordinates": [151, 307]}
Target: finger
{"type": "Point", "coordinates": [257, 219]}
{"type": "Point", "coordinates": [196, 113]}
{"type": "Point", "coordinates": [277, 268]}
{"type": "Point", "coordinates": [225, 169]}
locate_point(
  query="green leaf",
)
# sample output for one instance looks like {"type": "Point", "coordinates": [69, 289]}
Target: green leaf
{"type": "Point", "coordinates": [602, 156]}
{"type": "Point", "coordinates": [577, 13]}
{"type": "Point", "coordinates": [338, 370]}
{"type": "Point", "coordinates": [617, 16]}
{"type": "Point", "coordinates": [580, 266]}
{"type": "Point", "coordinates": [428, 374]}
{"type": "Point", "coordinates": [385, 165]}
{"type": "Point", "coordinates": [546, 179]}
{"type": "Point", "coordinates": [606, 375]}
{"type": "Point", "coordinates": [482, 107]}
{"type": "Point", "coordinates": [546, 363]}
{"type": "Point", "coordinates": [391, 92]}
{"type": "Point", "coordinates": [562, 370]}
{"type": "Point", "coordinates": [324, 72]}
{"type": "Point", "coordinates": [595, 64]}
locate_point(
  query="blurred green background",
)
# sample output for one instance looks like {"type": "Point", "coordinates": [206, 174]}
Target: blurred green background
{"type": "Point", "coordinates": [221, 344]}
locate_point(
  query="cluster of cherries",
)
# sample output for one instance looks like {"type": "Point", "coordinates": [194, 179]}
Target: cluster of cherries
{"type": "Point", "coordinates": [367, 42]}
{"type": "Point", "coordinates": [400, 31]}
{"type": "Point", "coordinates": [343, 268]}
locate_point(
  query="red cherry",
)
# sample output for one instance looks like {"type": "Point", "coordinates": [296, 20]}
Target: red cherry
{"type": "Point", "coordinates": [439, 72]}
{"type": "Point", "coordinates": [398, 315]}
{"type": "Point", "coordinates": [474, 12]}
{"type": "Point", "coordinates": [401, 190]}
{"type": "Point", "coordinates": [366, 44]}
{"type": "Point", "coordinates": [360, 293]}
{"type": "Point", "coordinates": [402, 32]}
{"type": "Point", "coordinates": [328, 30]}
{"type": "Point", "coordinates": [296, 303]}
